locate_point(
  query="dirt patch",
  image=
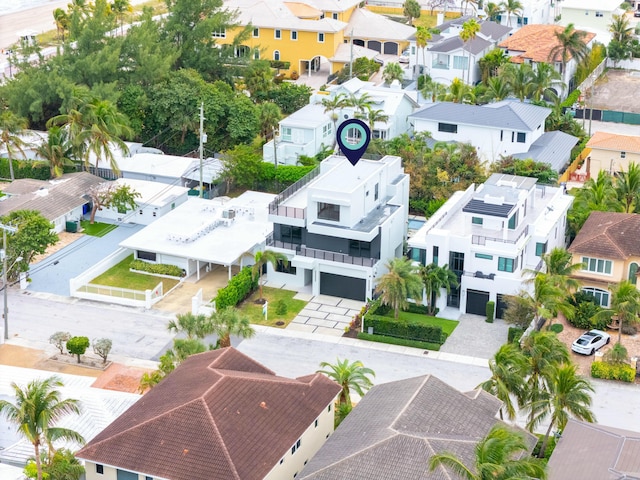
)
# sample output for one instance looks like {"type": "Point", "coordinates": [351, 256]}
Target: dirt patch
{"type": "Point", "coordinates": [121, 378]}
{"type": "Point", "coordinates": [607, 92]}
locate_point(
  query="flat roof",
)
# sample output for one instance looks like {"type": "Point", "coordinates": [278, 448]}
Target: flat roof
{"type": "Point", "coordinates": [344, 177]}
{"type": "Point", "coordinates": [196, 230]}
{"type": "Point", "coordinates": [153, 193]}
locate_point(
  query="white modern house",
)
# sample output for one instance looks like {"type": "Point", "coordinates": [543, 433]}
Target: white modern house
{"type": "Point", "coordinates": [592, 15]}
{"type": "Point", "coordinates": [340, 225]}
{"type": "Point", "coordinates": [495, 129]}
{"type": "Point", "coordinates": [533, 12]}
{"type": "Point", "coordinates": [155, 200]}
{"type": "Point", "coordinates": [488, 235]}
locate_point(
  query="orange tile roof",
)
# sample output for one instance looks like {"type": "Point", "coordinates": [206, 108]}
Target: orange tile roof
{"type": "Point", "coordinates": [536, 42]}
{"type": "Point", "coordinates": [612, 141]}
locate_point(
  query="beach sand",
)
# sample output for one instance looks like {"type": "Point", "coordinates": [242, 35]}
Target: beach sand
{"type": "Point", "coordinates": [37, 19]}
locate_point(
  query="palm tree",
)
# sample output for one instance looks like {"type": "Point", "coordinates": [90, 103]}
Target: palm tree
{"type": "Point", "coordinates": [469, 31]}
{"type": "Point", "coordinates": [543, 78]}
{"type": "Point", "coordinates": [332, 104]}
{"type": "Point", "coordinates": [625, 306]}
{"type": "Point", "coordinates": [433, 90]}
{"type": "Point", "coordinates": [620, 28]}
{"type": "Point", "coordinates": [350, 376]}
{"type": "Point", "coordinates": [458, 92]}
{"type": "Point", "coordinates": [519, 78]}
{"type": "Point", "coordinates": [434, 279]}
{"type": "Point", "coordinates": [56, 150]}
{"type": "Point", "coordinates": [372, 116]}
{"type": "Point", "coordinates": [194, 326]}
{"type": "Point", "coordinates": [400, 283]}
{"type": "Point", "coordinates": [120, 7]}
{"type": "Point", "coordinates": [508, 371]}
{"type": "Point", "coordinates": [598, 194]}
{"type": "Point", "coordinates": [392, 71]}
{"type": "Point", "coordinates": [559, 269]}
{"type": "Point", "coordinates": [269, 115]}
{"type": "Point", "coordinates": [497, 89]}
{"type": "Point", "coordinates": [570, 44]}
{"type": "Point", "coordinates": [423, 35]}
{"type": "Point", "coordinates": [261, 259]}
{"type": "Point", "coordinates": [548, 299]}
{"type": "Point", "coordinates": [360, 103]}
{"type": "Point", "coordinates": [501, 455]}
{"type": "Point", "coordinates": [38, 407]}
{"type": "Point", "coordinates": [230, 321]}
{"type": "Point", "coordinates": [628, 187]}
{"type": "Point", "coordinates": [568, 395]}
{"type": "Point", "coordinates": [61, 19]}
{"type": "Point", "coordinates": [493, 10]}
{"type": "Point", "coordinates": [11, 127]}
{"type": "Point", "coordinates": [511, 7]}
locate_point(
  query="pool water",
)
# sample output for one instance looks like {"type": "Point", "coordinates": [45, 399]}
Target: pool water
{"type": "Point", "coordinates": [415, 224]}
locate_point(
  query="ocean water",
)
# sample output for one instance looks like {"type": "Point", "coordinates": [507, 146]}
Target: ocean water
{"type": "Point", "coordinates": [10, 6]}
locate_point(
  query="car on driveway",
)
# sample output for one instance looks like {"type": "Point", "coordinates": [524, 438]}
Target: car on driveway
{"type": "Point", "coordinates": [636, 13]}
{"type": "Point", "coordinates": [590, 341]}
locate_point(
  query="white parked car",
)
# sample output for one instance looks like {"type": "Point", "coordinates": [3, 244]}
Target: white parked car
{"type": "Point", "coordinates": [590, 341]}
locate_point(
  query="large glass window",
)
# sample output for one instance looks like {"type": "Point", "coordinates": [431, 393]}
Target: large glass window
{"type": "Point", "coordinates": [596, 265]}
{"type": "Point", "coordinates": [151, 256]}
{"type": "Point", "coordinates": [476, 220]}
{"type": "Point", "coordinates": [285, 267]}
{"type": "Point", "coordinates": [507, 264]}
{"type": "Point", "coordinates": [328, 211]}
{"type": "Point", "coordinates": [460, 63]}
{"type": "Point", "coordinates": [633, 273]}
{"type": "Point", "coordinates": [541, 248]}
{"type": "Point", "coordinates": [601, 296]}
{"type": "Point", "coordinates": [522, 137]}
{"type": "Point", "coordinates": [359, 248]}
{"type": "Point", "coordinates": [435, 254]}
{"type": "Point", "coordinates": [447, 127]}
{"type": "Point", "coordinates": [513, 221]}
{"type": "Point", "coordinates": [289, 234]}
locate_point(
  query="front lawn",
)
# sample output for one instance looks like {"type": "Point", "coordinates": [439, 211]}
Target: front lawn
{"type": "Point", "coordinates": [448, 326]}
{"type": "Point", "coordinates": [97, 229]}
{"type": "Point", "coordinates": [253, 310]}
{"type": "Point", "coordinates": [120, 276]}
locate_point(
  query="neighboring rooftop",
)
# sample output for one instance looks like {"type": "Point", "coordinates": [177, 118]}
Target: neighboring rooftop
{"type": "Point", "coordinates": [612, 141]}
{"type": "Point", "coordinates": [553, 148]}
{"type": "Point", "coordinates": [609, 235]}
{"type": "Point", "coordinates": [601, 5]}
{"type": "Point", "coordinates": [152, 193]}
{"type": "Point", "coordinates": [220, 414]}
{"type": "Point", "coordinates": [366, 24]}
{"type": "Point", "coordinates": [309, 116]}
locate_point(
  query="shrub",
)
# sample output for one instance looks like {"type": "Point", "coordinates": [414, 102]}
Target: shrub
{"type": "Point", "coordinates": [102, 347]}
{"type": "Point", "coordinates": [281, 307]}
{"type": "Point", "coordinates": [622, 372]}
{"type": "Point", "coordinates": [238, 288]}
{"type": "Point", "coordinates": [399, 341]}
{"type": "Point", "coordinates": [514, 334]}
{"type": "Point", "coordinates": [556, 327]}
{"type": "Point", "coordinates": [410, 330]}
{"type": "Point", "coordinates": [629, 329]}
{"type": "Point", "coordinates": [77, 346]}
{"type": "Point", "coordinates": [490, 310]}
{"type": "Point", "coordinates": [59, 339]}
{"type": "Point", "coordinates": [617, 355]}
{"type": "Point", "coordinates": [585, 308]}
{"type": "Point", "coordinates": [415, 308]}
{"type": "Point", "coordinates": [156, 268]}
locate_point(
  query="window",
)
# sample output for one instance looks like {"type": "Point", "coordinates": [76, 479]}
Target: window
{"type": "Point", "coordinates": [276, 55]}
{"type": "Point", "coordinates": [320, 37]}
{"type": "Point", "coordinates": [359, 248]}
{"type": "Point", "coordinates": [155, 214]}
{"type": "Point", "coordinates": [447, 127]}
{"type": "Point", "coordinates": [507, 264]}
{"type": "Point", "coordinates": [219, 33]}
{"type": "Point", "coordinates": [99, 469]}
{"type": "Point", "coordinates": [285, 267]}
{"type": "Point", "coordinates": [375, 192]}
{"type": "Point", "coordinates": [294, 35]}
{"type": "Point", "coordinates": [334, 16]}
{"type": "Point", "coordinates": [289, 234]}
{"type": "Point", "coordinates": [327, 130]}
{"type": "Point", "coordinates": [541, 248]}
{"type": "Point", "coordinates": [513, 221]}
{"type": "Point", "coordinates": [173, 205]}
{"type": "Point", "coordinates": [151, 256]}
{"type": "Point", "coordinates": [526, 20]}
{"type": "Point", "coordinates": [256, 54]}
{"type": "Point", "coordinates": [277, 33]}
{"type": "Point", "coordinates": [601, 296]}
{"type": "Point", "coordinates": [633, 273]}
{"type": "Point", "coordinates": [148, 478]}
{"type": "Point", "coordinates": [413, 50]}
{"type": "Point", "coordinates": [501, 134]}
{"type": "Point", "coordinates": [381, 134]}
{"type": "Point", "coordinates": [484, 256]}
{"type": "Point", "coordinates": [476, 220]}
{"type": "Point", "coordinates": [522, 137]}
{"type": "Point", "coordinates": [623, 154]}
{"type": "Point", "coordinates": [295, 447]}
{"type": "Point", "coordinates": [599, 14]}
{"type": "Point", "coordinates": [256, 32]}
{"type": "Point", "coordinates": [419, 255]}
{"type": "Point", "coordinates": [435, 254]}
{"type": "Point", "coordinates": [285, 133]}
{"type": "Point", "coordinates": [281, 460]}
{"type": "Point", "coordinates": [460, 63]}
{"type": "Point", "coordinates": [596, 265]}
{"type": "Point", "coordinates": [141, 212]}
{"type": "Point", "coordinates": [316, 423]}
{"type": "Point", "coordinates": [328, 211]}
{"type": "Point", "coordinates": [329, 408]}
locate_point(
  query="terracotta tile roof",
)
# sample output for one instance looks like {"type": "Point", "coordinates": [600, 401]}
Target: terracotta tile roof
{"type": "Point", "coordinates": [612, 141]}
{"type": "Point", "coordinates": [219, 415]}
{"type": "Point", "coordinates": [609, 235]}
{"type": "Point", "coordinates": [536, 42]}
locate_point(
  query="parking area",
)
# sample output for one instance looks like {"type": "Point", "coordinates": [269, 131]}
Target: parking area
{"type": "Point", "coordinates": [475, 337]}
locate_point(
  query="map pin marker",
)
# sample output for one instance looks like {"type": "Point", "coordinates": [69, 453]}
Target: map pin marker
{"type": "Point", "coordinates": [353, 138]}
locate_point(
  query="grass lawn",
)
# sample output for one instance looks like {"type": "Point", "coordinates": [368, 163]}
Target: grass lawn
{"type": "Point", "coordinates": [448, 326]}
{"type": "Point", "coordinates": [120, 276]}
{"type": "Point", "coordinates": [96, 229]}
{"type": "Point", "coordinates": [272, 295]}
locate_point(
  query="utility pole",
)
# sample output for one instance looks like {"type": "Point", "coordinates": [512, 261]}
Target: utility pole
{"type": "Point", "coordinates": [4, 276]}
{"type": "Point", "coordinates": [351, 54]}
{"type": "Point", "coordinates": [202, 140]}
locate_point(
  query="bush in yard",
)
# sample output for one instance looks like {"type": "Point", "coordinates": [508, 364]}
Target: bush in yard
{"type": "Point", "coordinates": [556, 327]}
{"type": "Point", "coordinates": [77, 346]}
{"type": "Point", "coordinates": [629, 329]}
{"type": "Point", "coordinates": [281, 307]}
{"type": "Point", "coordinates": [102, 347]}
{"type": "Point", "coordinates": [585, 308]}
{"type": "Point", "coordinates": [406, 330]}
{"type": "Point", "coordinates": [514, 334]}
{"type": "Point", "coordinates": [59, 339]}
{"type": "Point", "coordinates": [156, 268]}
{"type": "Point", "coordinates": [490, 310]}
{"type": "Point", "coordinates": [617, 355]}
{"type": "Point", "coordinates": [238, 288]}
{"type": "Point", "coordinates": [622, 372]}
{"type": "Point", "coordinates": [399, 341]}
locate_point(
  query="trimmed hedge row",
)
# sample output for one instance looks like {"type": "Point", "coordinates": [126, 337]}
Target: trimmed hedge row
{"type": "Point", "coordinates": [623, 372]}
{"type": "Point", "coordinates": [238, 288]}
{"type": "Point", "coordinates": [398, 341]}
{"type": "Point", "coordinates": [29, 169]}
{"type": "Point", "coordinates": [157, 268]}
{"type": "Point", "coordinates": [411, 330]}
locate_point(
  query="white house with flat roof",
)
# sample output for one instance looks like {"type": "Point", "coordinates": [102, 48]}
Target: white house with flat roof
{"type": "Point", "coordinates": [200, 233]}
{"type": "Point", "coordinates": [488, 235]}
{"type": "Point", "coordinates": [592, 15]}
{"type": "Point", "coordinates": [156, 199]}
{"type": "Point", "coordinates": [340, 225]}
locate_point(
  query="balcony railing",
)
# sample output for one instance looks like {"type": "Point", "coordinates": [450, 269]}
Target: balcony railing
{"type": "Point", "coordinates": [336, 257]}
{"type": "Point", "coordinates": [275, 207]}
{"type": "Point", "coordinates": [481, 239]}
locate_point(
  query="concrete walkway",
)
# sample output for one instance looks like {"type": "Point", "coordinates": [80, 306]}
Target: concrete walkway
{"type": "Point", "coordinates": [325, 315]}
{"type": "Point", "coordinates": [475, 337]}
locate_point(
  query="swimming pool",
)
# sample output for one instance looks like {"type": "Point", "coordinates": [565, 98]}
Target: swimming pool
{"type": "Point", "coordinates": [415, 224]}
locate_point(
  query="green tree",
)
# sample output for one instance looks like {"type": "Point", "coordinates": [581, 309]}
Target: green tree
{"type": "Point", "coordinates": [258, 79]}
{"type": "Point", "coordinates": [290, 97]}
{"type": "Point", "coordinates": [519, 311]}
{"type": "Point", "coordinates": [493, 10]}
{"type": "Point", "coordinates": [261, 259]}
{"type": "Point", "coordinates": [270, 115]}
{"type": "Point", "coordinates": [182, 348]}
{"type": "Point", "coordinates": [497, 89]}
{"type": "Point", "coordinates": [400, 283]}
{"type": "Point", "coordinates": [62, 465]}
{"type": "Point", "coordinates": [434, 279]}
{"type": "Point", "coordinates": [392, 71]}
{"type": "Point", "coordinates": [596, 194]}
{"type": "Point", "coordinates": [375, 115]}
{"type": "Point", "coordinates": [102, 348]}
{"type": "Point", "coordinates": [56, 150]}
{"type": "Point", "coordinates": [77, 346]}
{"type": "Point", "coordinates": [570, 44]}
{"type": "Point", "coordinates": [490, 64]}
{"type": "Point", "coordinates": [559, 270]}
{"type": "Point", "coordinates": [192, 325]}
{"type": "Point", "coordinates": [411, 10]}
{"type": "Point", "coordinates": [508, 371]}
{"type": "Point", "coordinates": [519, 78]}
{"type": "Point", "coordinates": [61, 20]}
{"type": "Point", "coordinates": [511, 7]}
{"type": "Point", "coordinates": [625, 306]}
{"type": "Point", "coordinates": [230, 321]}
{"type": "Point", "coordinates": [458, 92]}
{"type": "Point", "coordinates": [543, 78]}
{"type": "Point", "coordinates": [334, 104]}
{"type": "Point", "coordinates": [120, 8]}
{"type": "Point", "coordinates": [11, 127]}
{"type": "Point", "coordinates": [350, 376]}
{"type": "Point", "coordinates": [501, 455]}
{"type": "Point", "coordinates": [360, 102]}
{"type": "Point", "coordinates": [37, 408]}
{"type": "Point", "coordinates": [568, 395]}
{"type": "Point", "coordinates": [620, 29]}
{"type": "Point", "coordinates": [525, 167]}
{"type": "Point", "coordinates": [628, 188]}
{"type": "Point", "coordinates": [423, 35]}
{"type": "Point", "coordinates": [470, 30]}
{"type": "Point", "coordinates": [123, 198]}
{"type": "Point", "coordinates": [547, 300]}
{"type": "Point", "coordinates": [241, 166]}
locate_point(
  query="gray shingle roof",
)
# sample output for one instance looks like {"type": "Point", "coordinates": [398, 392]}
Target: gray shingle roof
{"type": "Point", "coordinates": [506, 114]}
{"type": "Point", "coordinates": [553, 148]}
{"type": "Point", "coordinates": [451, 44]}
{"type": "Point", "coordinates": [398, 426]}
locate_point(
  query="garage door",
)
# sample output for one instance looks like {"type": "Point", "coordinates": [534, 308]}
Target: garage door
{"type": "Point", "coordinates": [477, 302]}
{"type": "Point", "coordinates": [341, 286]}
{"type": "Point", "coordinates": [391, 48]}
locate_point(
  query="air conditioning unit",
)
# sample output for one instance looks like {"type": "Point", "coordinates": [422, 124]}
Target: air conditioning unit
{"type": "Point", "coordinates": [228, 213]}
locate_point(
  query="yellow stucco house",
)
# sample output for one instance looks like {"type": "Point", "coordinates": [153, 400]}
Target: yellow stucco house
{"type": "Point", "coordinates": [608, 248]}
{"type": "Point", "coordinates": [612, 153]}
{"type": "Point", "coordinates": [302, 33]}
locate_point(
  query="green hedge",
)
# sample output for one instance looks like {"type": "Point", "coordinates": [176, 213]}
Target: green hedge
{"type": "Point", "coordinates": [29, 169]}
{"type": "Point", "coordinates": [403, 329]}
{"type": "Point", "coordinates": [571, 99]}
{"type": "Point", "coordinates": [623, 372]}
{"type": "Point", "coordinates": [398, 341]}
{"type": "Point", "coordinates": [489, 310]}
{"type": "Point", "coordinates": [156, 268]}
{"type": "Point", "coordinates": [415, 308]}
{"type": "Point", "coordinates": [238, 288]}
{"type": "Point", "coordinates": [514, 334]}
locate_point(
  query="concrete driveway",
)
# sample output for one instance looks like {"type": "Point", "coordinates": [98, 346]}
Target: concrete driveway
{"type": "Point", "coordinates": [475, 337]}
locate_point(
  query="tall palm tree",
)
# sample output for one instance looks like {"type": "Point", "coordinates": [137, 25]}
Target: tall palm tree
{"type": "Point", "coordinates": [423, 35]}
{"type": "Point", "coordinates": [11, 127]}
{"type": "Point", "coordinates": [458, 92]}
{"type": "Point", "coordinates": [469, 31]}
{"type": "Point", "coordinates": [548, 299]}
{"type": "Point", "coordinates": [434, 279]}
{"type": "Point", "coordinates": [37, 408]}
{"type": "Point", "coordinates": [519, 77]}
{"type": "Point", "coordinates": [230, 321]}
{"type": "Point", "coordinates": [350, 376]}
{"type": "Point", "coordinates": [543, 78]}
{"type": "Point", "coordinates": [625, 306]}
{"type": "Point", "coordinates": [400, 283]}
{"type": "Point", "coordinates": [559, 269]}
{"type": "Point", "coordinates": [360, 102]}
{"type": "Point", "coordinates": [269, 115]}
{"type": "Point", "coordinates": [508, 371]}
{"type": "Point", "coordinates": [120, 8]}
{"type": "Point", "coordinates": [501, 455]}
{"type": "Point", "coordinates": [511, 7]}
{"type": "Point", "coordinates": [392, 71]}
{"type": "Point", "coordinates": [61, 19]}
{"type": "Point", "coordinates": [374, 115]}
{"type": "Point", "coordinates": [568, 394]}
{"type": "Point", "coordinates": [620, 28]}
{"type": "Point", "coordinates": [56, 150]}
{"type": "Point", "coordinates": [570, 44]}
{"type": "Point", "coordinates": [261, 259]}
{"type": "Point", "coordinates": [332, 104]}
{"type": "Point", "coordinates": [628, 187]}
{"type": "Point", "coordinates": [493, 10]}
{"type": "Point", "coordinates": [497, 89]}
{"type": "Point", "coordinates": [433, 90]}
{"type": "Point", "coordinates": [194, 326]}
